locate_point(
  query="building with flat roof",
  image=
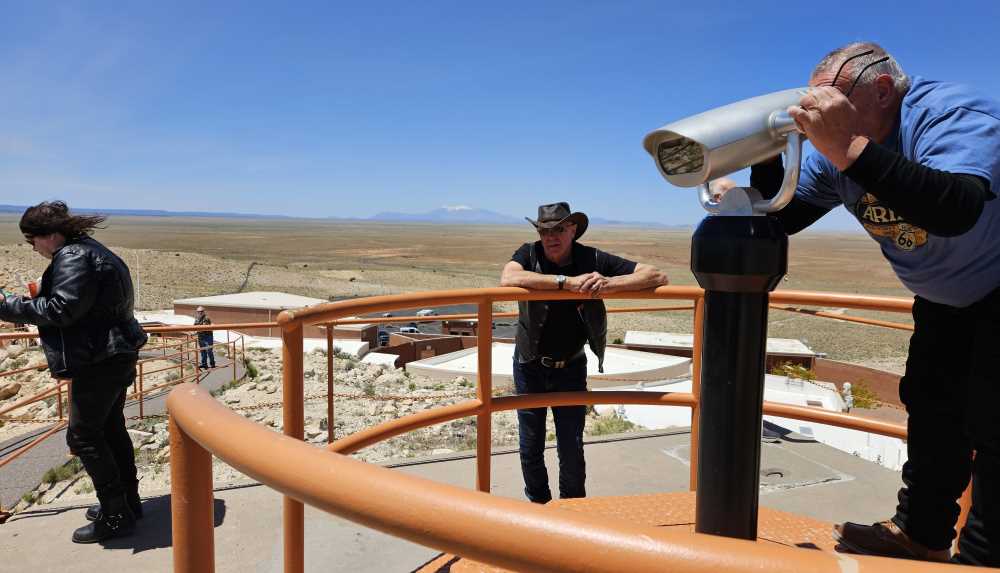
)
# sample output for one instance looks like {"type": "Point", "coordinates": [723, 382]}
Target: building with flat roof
{"type": "Point", "coordinates": [779, 350]}
{"type": "Point", "coordinates": [249, 307]}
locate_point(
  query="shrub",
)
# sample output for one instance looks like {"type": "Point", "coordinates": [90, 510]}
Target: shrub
{"type": "Point", "coordinates": [618, 341]}
{"type": "Point", "coordinates": [63, 472]}
{"type": "Point", "coordinates": [864, 396]}
{"type": "Point", "coordinates": [793, 371]}
{"type": "Point", "coordinates": [251, 368]}
{"type": "Point", "coordinates": [30, 497]}
{"type": "Point", "coordinates": [613, 424]}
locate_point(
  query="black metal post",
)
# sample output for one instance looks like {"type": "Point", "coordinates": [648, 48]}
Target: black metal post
{"type": "Point", "coordinates": [738, 261]}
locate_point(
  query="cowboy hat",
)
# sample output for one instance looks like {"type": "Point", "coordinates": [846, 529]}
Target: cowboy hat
{"type": "Point", "coordinates": [555, 214]}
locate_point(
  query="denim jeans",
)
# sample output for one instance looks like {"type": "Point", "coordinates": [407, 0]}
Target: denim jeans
{"type": "Point", "coordinates": [532, 378]}
{"type": "Point", "coordinates": [97, 431]}
{"type": "Point", "coordinates": [951, 389]}
{"type": "Point", "coordinates": [207, 351]}
{"type": "Point", "coordinates": [207, 358]}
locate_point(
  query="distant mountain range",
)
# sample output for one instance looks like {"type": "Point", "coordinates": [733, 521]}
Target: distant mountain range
{"type": "Point", "coordinates": [445, 215]}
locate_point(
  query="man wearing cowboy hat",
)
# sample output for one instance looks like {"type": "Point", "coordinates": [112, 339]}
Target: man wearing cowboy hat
{"type": "Point", "coordinates": [549, 355]}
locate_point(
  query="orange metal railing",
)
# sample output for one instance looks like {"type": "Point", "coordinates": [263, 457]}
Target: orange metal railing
{"type": "Point", "coordinates": [500, 532]}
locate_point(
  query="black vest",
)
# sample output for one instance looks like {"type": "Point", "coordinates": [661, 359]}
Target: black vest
{"type": "Point", "coordinates": [532, 314]}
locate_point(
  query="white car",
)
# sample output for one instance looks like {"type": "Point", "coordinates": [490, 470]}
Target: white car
{"type": "Point", "coordinates": [408, 330]}
{"type": "Point", "coordinates": [426, 312]}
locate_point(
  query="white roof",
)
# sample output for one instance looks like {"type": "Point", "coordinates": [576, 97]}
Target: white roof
{"type": "Point", "coordinates": [787, 346]}
{"type": "Point", "coordinates": [269, 300]}
{"type": "Point", "coordinates": [620, 365]}
{"type": "Point", "coordinates": [381, 358]}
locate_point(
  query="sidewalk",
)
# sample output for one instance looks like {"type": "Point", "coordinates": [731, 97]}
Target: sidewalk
{"type": "Point", "coordinates": [804, 477]}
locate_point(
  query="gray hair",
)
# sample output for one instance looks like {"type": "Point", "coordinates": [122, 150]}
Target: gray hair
{"type": "Point", "coordinates": [890, 67]}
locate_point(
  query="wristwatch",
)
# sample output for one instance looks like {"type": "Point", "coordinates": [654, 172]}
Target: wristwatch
{"type": "Point", "coordinates": [560, 280]}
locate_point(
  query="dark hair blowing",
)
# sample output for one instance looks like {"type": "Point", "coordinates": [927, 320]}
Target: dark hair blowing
{"type": "Point", "coordinates": [54, 217]}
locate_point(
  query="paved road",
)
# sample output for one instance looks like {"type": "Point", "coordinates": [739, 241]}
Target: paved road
{"type": "Point", "coordinates": [24, 473]}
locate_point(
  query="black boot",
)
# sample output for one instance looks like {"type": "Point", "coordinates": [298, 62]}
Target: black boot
{"type": "Point", "coordinates": [115, 520]}
{"type": "Point", "coordinates": [134, 503]}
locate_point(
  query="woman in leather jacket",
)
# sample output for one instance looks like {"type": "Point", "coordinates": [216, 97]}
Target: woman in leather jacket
{"type": "Point", "coordinates": [84, 314]}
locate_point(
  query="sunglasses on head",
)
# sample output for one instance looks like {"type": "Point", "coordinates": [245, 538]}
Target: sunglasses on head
{"type": "Point", "coordinates": [850, 90]}
{"type": "Point", "coordinates": [557, 230]}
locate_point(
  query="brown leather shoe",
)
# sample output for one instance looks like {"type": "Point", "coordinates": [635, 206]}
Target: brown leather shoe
{"type": "Point", "coordinates": [885, 539]}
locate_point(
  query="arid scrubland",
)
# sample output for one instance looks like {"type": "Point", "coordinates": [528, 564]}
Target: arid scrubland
{"type": "Point", "coordinates": [181, 257]}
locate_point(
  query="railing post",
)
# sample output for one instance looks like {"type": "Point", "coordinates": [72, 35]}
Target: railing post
{"type": "Point", "coordinates": [232, 358]}
{"type": "Point", "coordinates": [141, 414]}
{"type": "Point", "coordinates": [191, 502]}
{"type": "Point", "coordinates": [292, 420]}
{"type": "Point", "coordinates": [484, 419]}
{"type": "Point", "coordinates": [696, 354]}
{"type": "Point", "coordinates": [329, 384]}
{"type": "Point", "coordinates": [59, 404]}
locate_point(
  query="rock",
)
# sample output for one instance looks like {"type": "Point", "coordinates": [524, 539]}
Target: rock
{"type": "Point", "coordinates": [442, 451]}
{"type": "Point", "coordinates": [140, 437]}
{"type": "Point", "coordinates": [149, 447]}
{"type": "Point", "coordinates": [389, 409]}
{"type": "Point", "coordinates": [312, 433]}
{"type": "Point", "coordinates": [231, 399]}
{"type": "Point", "coordinates": [323, 424]}
{"type": "Point", "coordinates": [9, 391]}
{"type": "Point", "coordinates": [164, 455]}
{"type": "Point", "coordinates": [271, 389]}
{"type": "Point", "coordinates": [320, 437]}
{"type": "Point", "coordinates": [251, 386]}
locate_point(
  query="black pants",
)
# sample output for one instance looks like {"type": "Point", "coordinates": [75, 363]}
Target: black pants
{"type": "Point", "coordinates": [951, 390]}
{"type": "Point", "coordinates": [97, 431]}
{"type": "Point", "coordinates": [532, 378]}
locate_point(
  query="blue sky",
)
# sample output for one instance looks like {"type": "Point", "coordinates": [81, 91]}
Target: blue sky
{"type": "Point", "coordinates": [350, 108]}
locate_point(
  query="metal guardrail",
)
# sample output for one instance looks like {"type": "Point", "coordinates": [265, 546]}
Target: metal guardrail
{"type": "Point", "coordinates": [501, 532]}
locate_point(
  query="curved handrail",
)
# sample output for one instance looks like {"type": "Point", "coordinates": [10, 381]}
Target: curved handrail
{"type": "Point", "coordinates": [502, 532]}
{"type": "Point", "coordinates": [398, 426]}
{"type": "Point", "coordinates": [392, 428]}
{"type": "Point", "coordinates": [331, 311]}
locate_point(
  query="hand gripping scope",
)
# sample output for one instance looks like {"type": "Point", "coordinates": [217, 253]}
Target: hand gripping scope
{"type": "Point", "coordinates": [695, 150]}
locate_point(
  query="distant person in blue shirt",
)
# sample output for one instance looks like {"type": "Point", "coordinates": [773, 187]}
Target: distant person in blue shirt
{"type": "Point", "coordinates": [917, 162]}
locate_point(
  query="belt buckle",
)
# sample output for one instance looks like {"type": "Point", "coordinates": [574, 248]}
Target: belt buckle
{"type": "Point", "coordinates": [549, 363]}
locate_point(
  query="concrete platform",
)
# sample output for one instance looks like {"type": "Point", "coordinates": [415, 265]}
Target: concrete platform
{"type": "Point", "coordinates": [802, 477]}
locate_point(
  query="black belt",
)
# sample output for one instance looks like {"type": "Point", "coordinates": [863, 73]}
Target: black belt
{"type": "Point", "coordinates": [549, 362]}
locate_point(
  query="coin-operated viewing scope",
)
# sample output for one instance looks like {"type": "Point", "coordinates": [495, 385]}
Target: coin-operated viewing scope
{"type": "Point", "coordinates": [695, 150]}
{"type": "Point", "coordinates": [738, 258]}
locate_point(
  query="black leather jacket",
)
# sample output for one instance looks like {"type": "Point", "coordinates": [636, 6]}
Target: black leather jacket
{"type": "Point", "coordinates": [83, 309]}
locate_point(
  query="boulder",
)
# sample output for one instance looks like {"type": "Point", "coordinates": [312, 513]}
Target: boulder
{"type": "Point", "coordinates": [9, 391]}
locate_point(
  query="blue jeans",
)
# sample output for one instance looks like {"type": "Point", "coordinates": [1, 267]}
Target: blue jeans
{"type": "Point", "coordinates": [207, 352]}
{"type": "Point", "coordinates": [533, 378]}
